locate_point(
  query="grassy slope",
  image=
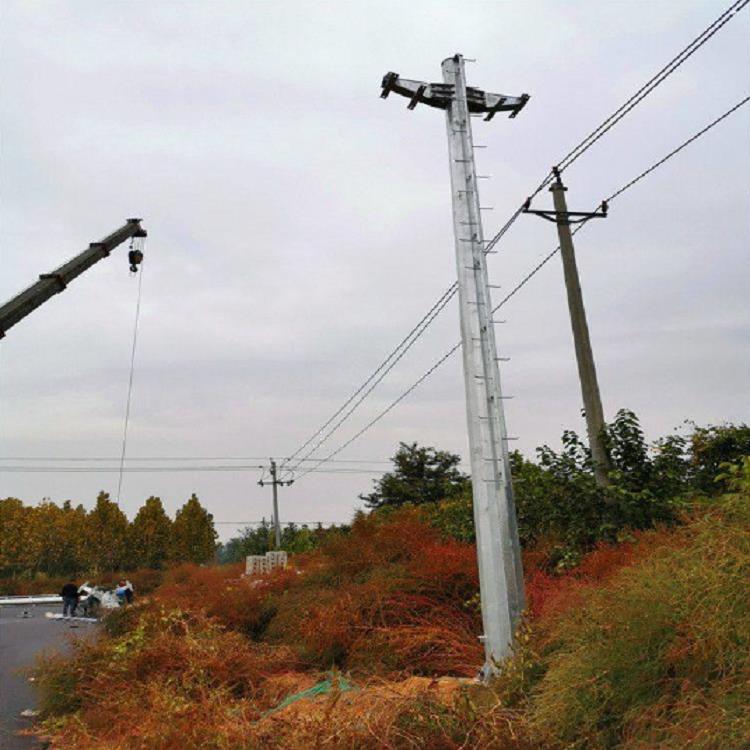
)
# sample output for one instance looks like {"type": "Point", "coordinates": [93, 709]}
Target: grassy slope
{"type": "Point", "coordinates": [643, 646]}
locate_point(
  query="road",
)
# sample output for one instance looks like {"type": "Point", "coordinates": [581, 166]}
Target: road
{"type": "Point", "coordinates": [20, 641]}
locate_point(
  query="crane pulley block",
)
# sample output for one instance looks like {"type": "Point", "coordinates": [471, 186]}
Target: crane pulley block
{"type": "Point", "coordinates": [135, 258]}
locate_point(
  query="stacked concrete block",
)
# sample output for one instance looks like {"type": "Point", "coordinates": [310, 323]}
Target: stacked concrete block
{"type": "Point", "coordinates": [277, 558]}
{"type": "Point", "coordinates": [257, 564]}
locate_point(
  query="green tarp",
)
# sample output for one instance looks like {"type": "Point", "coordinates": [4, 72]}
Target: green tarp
{"type": "Point", "coordinates": [333, 683]}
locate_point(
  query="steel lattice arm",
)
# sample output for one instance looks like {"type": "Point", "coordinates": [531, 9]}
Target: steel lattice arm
{"type": "Point", "coordinates": [50, 284]}
{"type": "Point", "coordinates": [440, 96]}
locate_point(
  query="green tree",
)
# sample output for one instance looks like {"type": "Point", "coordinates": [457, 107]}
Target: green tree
{"type": "Point", "coordinates": [59, 538]}
{"type": "Point", "coordinates": [712, 446]}
{"type": "Point", "coordinates": [420, 475]}
{"type": "Point", "coordinates": [150, 535]}
{"type": "Point", "coordinates": [193, 533]}
{"type": "Point", "coordinates": [106, 535]}
{"type": "Point", "coordinates": [16, 533]}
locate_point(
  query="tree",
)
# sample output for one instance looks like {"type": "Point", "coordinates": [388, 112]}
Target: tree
{"type": "Point", "coordinates": [420, 475]}
{"type": "Point", "coordinates": [150, 535]}
{"type": "Point", "coordinates": [193, 533]}
{"type": "Point", "coordinates": [106, 535]}
{"type": "Point", "coordinates": [16, 553]}
{"type": "Point", "coordinates": [712, 446]}
{"type": "Point", "coordinates": [59, 539]}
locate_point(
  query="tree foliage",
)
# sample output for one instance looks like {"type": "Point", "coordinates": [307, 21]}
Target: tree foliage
{"type": "Point", "coordinates": [420, 475]}
{"type": "Point", "coordinates": [559, 502]}
{"type": "Point", "coordinates": [16, 536]}
{"type": "Point", "coordinates": [107, 535]}
{"type": "Point", "coordinates": [193, 533]}
{"type": "Point", "coordinates": [65, 540]}
{"type": "Point", "coordinates": [260, 539]}
{"type": "Point", "coordinates": [150, 534]}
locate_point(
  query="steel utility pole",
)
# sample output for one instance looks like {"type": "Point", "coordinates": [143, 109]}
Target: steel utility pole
{"type": "Point", "coordinates": [275, 483]}
{"type": "Point", "coordinates": [498, 549]}
{"type": "Point", "coordinates": [592, 402]}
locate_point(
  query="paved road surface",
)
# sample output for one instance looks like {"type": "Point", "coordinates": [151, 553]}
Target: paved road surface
{"type": "Point", "coordinates": [20, 641]}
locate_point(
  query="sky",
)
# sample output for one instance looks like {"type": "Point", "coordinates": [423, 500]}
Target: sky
{"type": "Point", "coordinates": [299, 226]}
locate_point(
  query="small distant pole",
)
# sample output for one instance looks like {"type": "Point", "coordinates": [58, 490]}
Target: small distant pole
{"type": "Point", "coordinates": [592, 401]}
{"type": "Point", "coordinates": [275, 483]}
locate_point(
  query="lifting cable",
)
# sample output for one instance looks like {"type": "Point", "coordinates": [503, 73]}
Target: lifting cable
{"type": "Point", "coordinates": [136, 243]}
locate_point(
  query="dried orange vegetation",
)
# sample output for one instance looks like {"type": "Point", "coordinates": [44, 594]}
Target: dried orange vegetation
{"type": "Point", "coordinates": [549, 592]}
{"type": "Point", "coordinates": [643, 645]}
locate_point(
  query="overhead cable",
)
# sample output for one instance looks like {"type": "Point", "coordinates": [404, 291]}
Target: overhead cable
{"type": "Point", "coordinates": [343, 413]}
{"type": "Point", "coordinates": [67, 459]}
{"type": "Point", "coordinates": [672, 153]}
{"type": "Point", "coordinates": [538, 267]}
{"type": "Point", "coordinates": [651, 84]}
{"type": "Point", "coordinates": [584, 145]}
{"type": "Point", "coordinates": [161, 469]}
{"type": "Point", "coordinates": [565, 162]}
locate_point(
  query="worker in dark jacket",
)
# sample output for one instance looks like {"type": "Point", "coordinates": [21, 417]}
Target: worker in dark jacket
{"type": "Point", "coordinates": [69, 596]}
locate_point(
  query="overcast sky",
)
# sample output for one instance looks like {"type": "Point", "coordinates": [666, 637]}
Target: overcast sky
{"type": "Point", "coordinates": [299, 226]}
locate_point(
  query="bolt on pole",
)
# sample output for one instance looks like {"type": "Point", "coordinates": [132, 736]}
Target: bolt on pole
{"type": "Point", "coordinates": [592, 402]}
{"type": "Point", "coordinates": [498, 548]}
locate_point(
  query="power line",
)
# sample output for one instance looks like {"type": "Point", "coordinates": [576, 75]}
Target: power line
{"type": "Point", "coordinates": [678, 149]}
{"type": "Point", "coordinates": [565, 162]}
{"type": "Point", "coordinates": [586, 143]}
{"type": "Point", "coordinates": [525, 281]}
{"type": "Point", "coordinates": [371, 383]}
{"type": "Point", "coordinates": [651, 84]}
{"type": "Point", "coordinates": [184, 458]}
{"type": "Point", "coordinates": [161, 469]}
{"type": "Point", "coordinates": [385, 411]}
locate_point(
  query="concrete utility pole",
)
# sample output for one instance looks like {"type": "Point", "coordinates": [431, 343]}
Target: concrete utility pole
{"type": "Point", "coordinates": [592, 402]}
{"type": "Point", "coordinates": [498, 549]}
{"type": "Point", "coordinates": [275, 483]}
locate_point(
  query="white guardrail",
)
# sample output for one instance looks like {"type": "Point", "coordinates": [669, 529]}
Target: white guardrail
{"type": "Point", "coordinates": [35, 599]}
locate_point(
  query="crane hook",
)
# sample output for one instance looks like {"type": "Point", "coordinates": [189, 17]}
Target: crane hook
{"type": "Point", "coordinates": [135, 257]}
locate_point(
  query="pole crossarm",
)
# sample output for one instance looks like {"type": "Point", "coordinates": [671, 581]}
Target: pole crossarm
{"type": "Point", "coordinates": [565, 218]}
{"type": "Point", "coordinates": [441, 95]}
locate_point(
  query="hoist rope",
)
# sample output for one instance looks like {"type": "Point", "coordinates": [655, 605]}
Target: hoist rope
{"type": "Point", "coordinates": [130, 381]}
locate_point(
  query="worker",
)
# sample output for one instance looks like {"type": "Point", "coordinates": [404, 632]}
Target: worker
{"type": "Point", "coordinates": [69, 596]}
{"type": "Point", "coordinates": [91, 601]}
{"type": "Point", "coordinates": [124, 592]}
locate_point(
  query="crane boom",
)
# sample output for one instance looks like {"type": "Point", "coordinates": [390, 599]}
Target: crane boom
{"type": "Point", "coordinates": [50, 284]}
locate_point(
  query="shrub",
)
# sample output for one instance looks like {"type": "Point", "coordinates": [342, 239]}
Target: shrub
{"type": "Point", "coordinates": [669, 632]}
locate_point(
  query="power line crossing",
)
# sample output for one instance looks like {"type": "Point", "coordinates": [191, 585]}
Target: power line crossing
{"type": "Point", "coordinates": [573, 155]}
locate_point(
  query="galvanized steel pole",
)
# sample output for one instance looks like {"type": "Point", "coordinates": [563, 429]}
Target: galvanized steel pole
{"type": "Point", "coordinates": [498, 548]}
